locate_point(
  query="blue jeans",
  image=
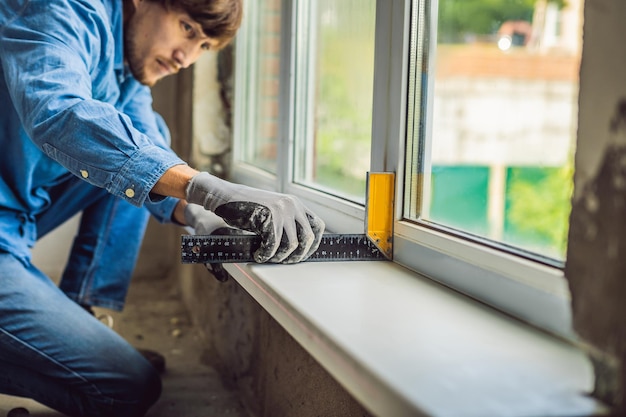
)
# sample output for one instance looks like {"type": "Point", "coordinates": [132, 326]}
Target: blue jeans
{"type": "Point", "coordinates": [51, 349]}
{"type": "Point", "coordinates": [106, 248]}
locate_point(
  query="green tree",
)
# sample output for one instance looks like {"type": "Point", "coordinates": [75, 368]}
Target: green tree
{"type": "Point", "coordinates": [539, 207]}
{"type": "Point", "coordinates": [458, 18]}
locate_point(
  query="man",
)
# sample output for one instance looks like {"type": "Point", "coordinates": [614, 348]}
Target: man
{"type": "Point", "coordinates": [78, 134]}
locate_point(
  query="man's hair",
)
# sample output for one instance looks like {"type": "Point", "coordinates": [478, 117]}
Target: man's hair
{"type": "Point", "coordinates": [220, 19]}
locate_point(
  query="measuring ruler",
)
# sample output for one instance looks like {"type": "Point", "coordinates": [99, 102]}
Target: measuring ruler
{"type": "Point", "coordinates": [213, 249]}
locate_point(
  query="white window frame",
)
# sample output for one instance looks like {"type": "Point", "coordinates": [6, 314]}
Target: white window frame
{"type": "Point", "coordinates": [531, 291]}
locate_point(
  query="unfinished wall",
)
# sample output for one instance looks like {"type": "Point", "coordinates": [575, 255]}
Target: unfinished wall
{"type": "Point", "coordinates": [274, 375]}
{"type": "Point", "coordinates": [596, 265]}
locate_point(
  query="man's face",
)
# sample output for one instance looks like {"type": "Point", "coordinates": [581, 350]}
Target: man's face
{"type": "Point", "coordinates": [159, 42]}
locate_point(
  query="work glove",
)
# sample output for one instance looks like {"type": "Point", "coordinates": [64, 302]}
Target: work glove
{"type": "Point", "coordinates": [289, 232]}
{"type": "Point", "coordinates": [203, 222]}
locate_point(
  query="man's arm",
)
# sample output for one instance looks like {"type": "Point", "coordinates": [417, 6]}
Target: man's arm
{"type": "Point", "coordinates": [174, 181]}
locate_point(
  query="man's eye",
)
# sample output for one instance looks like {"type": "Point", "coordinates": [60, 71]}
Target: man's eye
{"type": "Point", "coordinates": [187, 27]}
{"type": "Point", "coordinates": [206, 46]}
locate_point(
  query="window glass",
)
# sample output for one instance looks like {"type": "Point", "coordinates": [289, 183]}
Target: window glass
{"type": "Point", "coordinates": [492, 149]}
{"type": "Point", "coordinates": [334, 90]}
{"type": "Point", "coordinates": [262, 55]}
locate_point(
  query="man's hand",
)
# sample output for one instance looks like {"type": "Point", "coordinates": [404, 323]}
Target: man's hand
{"type": "Point", "coordinates": [205, 222]}
{"type": "Point", "coordinates": [289, 231]}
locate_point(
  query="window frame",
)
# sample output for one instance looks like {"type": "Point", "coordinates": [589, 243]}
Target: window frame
{"type": "Point", "coordinates": [533, 292]}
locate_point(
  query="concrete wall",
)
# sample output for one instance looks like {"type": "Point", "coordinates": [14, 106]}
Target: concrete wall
{"type": "Point", "coordinates": [596, 266]}
{"type": "Point", "coordinates": [274, 375]}
{"type": "Point", "coordinates": [530, 121]}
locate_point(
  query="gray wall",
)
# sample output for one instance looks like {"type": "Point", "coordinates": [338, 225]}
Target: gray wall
{"type": "Point", "coordinates": [596, 266]}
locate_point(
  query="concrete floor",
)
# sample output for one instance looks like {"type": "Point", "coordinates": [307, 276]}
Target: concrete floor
{"type": "Point", "coordinates": [155, 318]}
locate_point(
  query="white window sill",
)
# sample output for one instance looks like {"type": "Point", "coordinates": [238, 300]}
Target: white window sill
{"type": "Point", "coordinates": [403, 345]}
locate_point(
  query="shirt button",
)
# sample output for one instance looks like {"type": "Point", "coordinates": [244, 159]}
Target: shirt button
{"type": "Point", "coordinates": [84, 173]}
{"type": "Point", "coordinates": [130, 193]}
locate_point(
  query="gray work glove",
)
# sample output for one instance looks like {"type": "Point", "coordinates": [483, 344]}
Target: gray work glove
{"type": "Point", "coordinates": [204, 222]}
{"type": "Point", "coordinates": [289, 232]}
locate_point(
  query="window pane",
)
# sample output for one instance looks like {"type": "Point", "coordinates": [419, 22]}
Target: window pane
{"type": "Point", "coordinates": [499, 106]}
{"type": "Point", "coordinates": [334, 119]}
{"type": "Point", "coordinates": [262, 45]}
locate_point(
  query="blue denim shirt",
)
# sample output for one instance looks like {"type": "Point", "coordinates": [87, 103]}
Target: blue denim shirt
{"type": "Point", "coordinates": [69, 106]}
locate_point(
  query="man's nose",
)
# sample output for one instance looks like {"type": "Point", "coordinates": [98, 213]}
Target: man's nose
{"type": "Point", "coordinates": [186, 55]}
{"type": "Point", "coordinates": [180, 57]}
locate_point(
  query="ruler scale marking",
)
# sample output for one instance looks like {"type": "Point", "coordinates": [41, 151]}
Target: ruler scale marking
{"type": "Point", "coordinates": [239, 248]}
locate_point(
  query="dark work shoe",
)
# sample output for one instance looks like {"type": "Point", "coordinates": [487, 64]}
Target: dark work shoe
{"type": "Point", "coordinates": [18, 412]}
{"type": "Point", "coordinates": [155, 358]}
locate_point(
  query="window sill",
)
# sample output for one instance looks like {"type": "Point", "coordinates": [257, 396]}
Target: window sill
{"type": "Point", "coordinates": [403, 345]}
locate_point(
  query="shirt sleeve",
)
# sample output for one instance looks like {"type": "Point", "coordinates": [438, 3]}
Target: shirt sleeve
{"type": "Point", "coordinates": [136, 102]}
{"type": "Point", "coordinates": [57, 59]}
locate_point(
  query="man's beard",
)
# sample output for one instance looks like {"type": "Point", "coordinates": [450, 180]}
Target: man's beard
{"type": "Point", "coordinates": [135, 63]}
